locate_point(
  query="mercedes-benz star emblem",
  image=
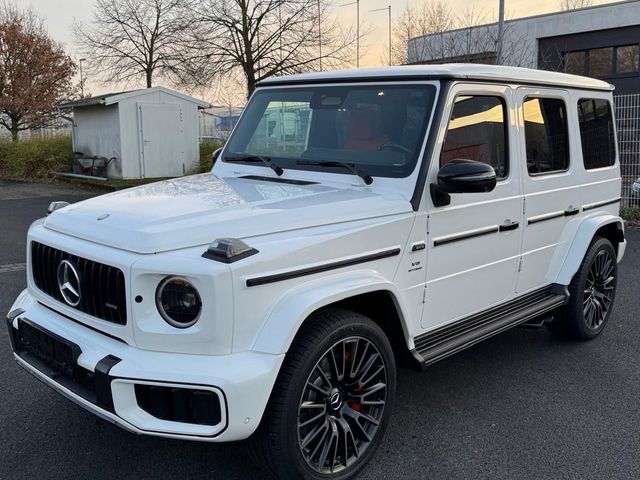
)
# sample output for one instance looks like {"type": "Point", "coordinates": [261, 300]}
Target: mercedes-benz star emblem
{"type": "Point", "coordinates": [335, 401]}
{"type": "Point", "coordinates": [69, 282]}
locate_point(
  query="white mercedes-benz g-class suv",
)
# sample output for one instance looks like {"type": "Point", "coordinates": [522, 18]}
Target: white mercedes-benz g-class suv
{"type": "Point", "coordinates": [354, 221]}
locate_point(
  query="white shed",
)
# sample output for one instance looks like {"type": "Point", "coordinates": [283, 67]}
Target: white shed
{"type": "Point", "coordinates": [152, 132]}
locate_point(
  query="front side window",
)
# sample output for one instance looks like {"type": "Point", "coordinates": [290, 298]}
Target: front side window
{"type": "Point", "coordinates": [545, 129]}
{"type": "Point", "coordinates": [596, 133]}
{"type": "Point", "coordinates": [379, 128]}
{"type": "Point", "coordinates": [477, 131]}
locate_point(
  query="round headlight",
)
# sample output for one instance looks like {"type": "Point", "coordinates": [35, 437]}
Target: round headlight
{"type": "Point", "coordinates": [178, 302]}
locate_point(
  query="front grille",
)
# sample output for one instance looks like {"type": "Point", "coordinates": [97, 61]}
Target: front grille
{"type": "Point", "coordinates": [102, 289]}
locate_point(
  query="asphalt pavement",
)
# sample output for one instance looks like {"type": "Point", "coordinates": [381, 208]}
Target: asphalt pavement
{"type": "Point", "coordinates": [522, 405]}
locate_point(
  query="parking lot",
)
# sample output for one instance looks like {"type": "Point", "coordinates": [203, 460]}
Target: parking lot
{"type": "Point", "coordinates": [522, 405]}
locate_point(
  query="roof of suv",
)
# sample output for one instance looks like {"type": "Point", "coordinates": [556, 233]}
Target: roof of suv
{"type": "Point", "coordinates": [456, 71]}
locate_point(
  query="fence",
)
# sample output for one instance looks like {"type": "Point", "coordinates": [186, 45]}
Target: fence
{"type": "Point", "coordinates": [628, 118]}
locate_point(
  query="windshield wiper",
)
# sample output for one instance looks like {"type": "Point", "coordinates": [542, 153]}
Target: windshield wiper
{"type": "Point", "coordinates": [333, 163]}
{"type": "Point", "coordinates": [256, 158]}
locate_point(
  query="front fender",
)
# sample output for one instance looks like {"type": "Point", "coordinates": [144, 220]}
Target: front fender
{"type": "Point", "coordinates": [581, 241]}
{"type": "Point", "coordinates": [298, 303]}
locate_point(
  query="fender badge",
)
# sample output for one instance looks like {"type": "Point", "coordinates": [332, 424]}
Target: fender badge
{"type": "Point", "coordinates": [103, 216]}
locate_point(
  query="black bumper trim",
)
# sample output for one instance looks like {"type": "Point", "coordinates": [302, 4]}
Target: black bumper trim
{"type": "Point", "coordinates": [94, 387]}
{"type": "Point", "coordinates": [11, 316]}
{"type": "Point", "coordinates": [102, 381]}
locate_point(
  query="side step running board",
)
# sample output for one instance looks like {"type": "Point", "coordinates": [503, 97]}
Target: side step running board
{"type": "Point", "coordinates": [537, 322]}
{"type": "Point", "coordinates": [433, 346]}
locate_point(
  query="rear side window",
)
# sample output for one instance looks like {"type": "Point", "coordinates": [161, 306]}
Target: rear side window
{"type": "Point", "coordinates": [596, 133]}
{"type": "Point", "coordinates": [477, 131]}
{"type": "Point", "coordinates": [545, 129]}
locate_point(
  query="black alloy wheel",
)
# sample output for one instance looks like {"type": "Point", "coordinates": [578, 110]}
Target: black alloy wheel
{"type": "Point", "coordinates": [332, 400]}
{"type": "Point", "coordinates": [342, 405]}
{"type": "Point", "coordinates": [599, 289]}
{"type": "Point", "coordinates": [591, 294]}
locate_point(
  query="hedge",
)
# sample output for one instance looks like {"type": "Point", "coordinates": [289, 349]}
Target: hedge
{"type": "Point", "coordinates": [206, 150]}
{"type": "Point", "coordinates": [35, 158]}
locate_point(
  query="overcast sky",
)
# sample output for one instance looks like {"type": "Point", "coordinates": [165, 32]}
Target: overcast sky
{"type": "Point", "coordinates": [59, 15]}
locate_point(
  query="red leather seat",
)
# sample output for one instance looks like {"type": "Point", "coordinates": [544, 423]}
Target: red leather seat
{"type": "Point", "coordinates": [364, 130]}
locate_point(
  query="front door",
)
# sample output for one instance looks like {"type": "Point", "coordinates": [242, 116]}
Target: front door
{"type": "Point", "coordinates": [474, 243]}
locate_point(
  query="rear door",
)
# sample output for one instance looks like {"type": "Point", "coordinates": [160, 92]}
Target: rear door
{"type": "Point", "coordinates": [549, 181]}
{"type": "Point", "coordinates": [474, 243]}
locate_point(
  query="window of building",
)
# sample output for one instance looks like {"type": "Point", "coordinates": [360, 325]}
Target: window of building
{"type": "Point", "coordinates": [546, 137]}
{"type": "Point", "coordinates": [575, 63]}
{"type": "Point", "coordinates": [596, 133]}
{"type": "Point", "coordinates": [627, 58]}
{"type": "Point", "coordinates": [477, 131]}
{"type": "Point", "coordinates": [601, 62]}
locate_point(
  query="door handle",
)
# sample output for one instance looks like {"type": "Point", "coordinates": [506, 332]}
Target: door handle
{"type": "Point", "coordinates": [509, 225]}
{"type": "Point", "coordinates": [571, 211]}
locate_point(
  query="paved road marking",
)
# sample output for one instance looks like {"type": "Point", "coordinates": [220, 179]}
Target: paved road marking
{"type": "Point", "coordinates": [12, 267]}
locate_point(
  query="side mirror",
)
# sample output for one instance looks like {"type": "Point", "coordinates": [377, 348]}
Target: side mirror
{"type": "Point", "coordinates": [214, 156]}
{"type": "Point", "coordinates": [462, 176]}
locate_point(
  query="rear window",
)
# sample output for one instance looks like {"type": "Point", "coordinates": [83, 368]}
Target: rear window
{"type": "Point", "coordinates": [545, 128]}
{"type": "Point", "coordinates": [596, 133]}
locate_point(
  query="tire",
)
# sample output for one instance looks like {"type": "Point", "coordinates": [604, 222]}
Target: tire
{"type": "Point", "coordinates": [592, 293]}
{"type": "Point", "coordinates": [301, 423]}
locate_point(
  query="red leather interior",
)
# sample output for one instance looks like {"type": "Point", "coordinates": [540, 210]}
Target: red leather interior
{"type": "Point", "coordinates": [364, 130]}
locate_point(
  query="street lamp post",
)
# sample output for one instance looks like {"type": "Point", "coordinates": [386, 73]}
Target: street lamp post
{"type": "Point", "coordinates": [500, 33]}
{"type": "Point", "coordinates": [389, 10]}
{"type": "Point", "coordinates": [320, 33]}
{"type": "Point", "coordinates": [81, 78]}
{"type": "Point", "coordinates": [357, 4]}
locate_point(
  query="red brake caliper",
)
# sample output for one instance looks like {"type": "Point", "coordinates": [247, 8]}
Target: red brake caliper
{"type": "Point", "coordinates": [355, 405]}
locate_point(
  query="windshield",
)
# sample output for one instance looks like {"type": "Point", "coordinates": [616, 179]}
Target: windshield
{"type": "Point", "coordinates": [380, 128]}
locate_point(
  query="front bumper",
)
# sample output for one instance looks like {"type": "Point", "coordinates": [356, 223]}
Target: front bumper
{"type": "Point", "coordinates": [242, 381]}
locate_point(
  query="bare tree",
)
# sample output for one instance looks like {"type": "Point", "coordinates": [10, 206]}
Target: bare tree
{"type": "Point", "coordinates": [575, 4]}
{"type": "Point", "coordinates": [131, 40]}
{"type": "Point", "coordinates": [262, 38]}
{"type": "Point", "coordinates": [425, 19]}
{"type": "Point", "coordinates": [469, 36]}
{"type": "Point", "coordinates": [35, 72]}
